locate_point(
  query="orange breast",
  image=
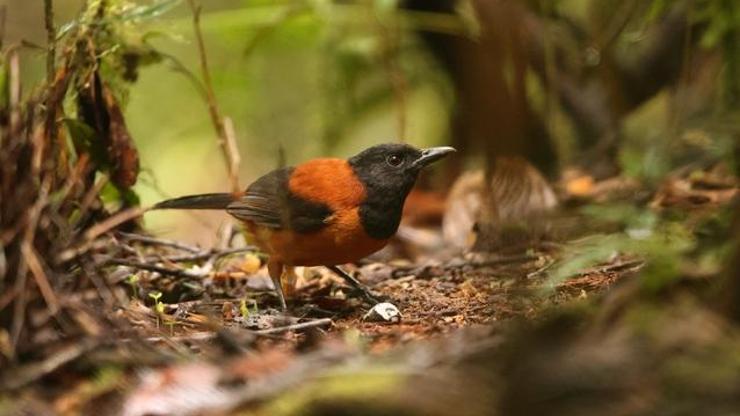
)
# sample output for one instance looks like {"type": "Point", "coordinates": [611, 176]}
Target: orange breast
{"type": "Point", "coordinates": [343, 240]}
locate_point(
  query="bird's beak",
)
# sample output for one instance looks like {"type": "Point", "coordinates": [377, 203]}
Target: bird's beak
{"type": "Point", "coordinates": [431, 155]}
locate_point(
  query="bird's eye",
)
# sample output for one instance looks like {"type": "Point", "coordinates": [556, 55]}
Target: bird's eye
{"type": "Point", "coordinates": [394, 160]}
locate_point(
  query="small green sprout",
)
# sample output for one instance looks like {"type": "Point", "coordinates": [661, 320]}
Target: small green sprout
{"type": "Point", "coordinates": [158, 306]}
{"type": "Point", "coordinates": [133, 281]}
{"type": "Point", "coordinates": [243, 310]}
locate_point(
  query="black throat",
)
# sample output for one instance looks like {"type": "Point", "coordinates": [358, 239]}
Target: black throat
{"type": "Point", "coordinates": [380, 214]}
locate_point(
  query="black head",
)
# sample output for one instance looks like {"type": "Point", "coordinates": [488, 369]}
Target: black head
{"type": "Point", "coordinates": [388, 172]}
{"type": "Point", "coordinates": [394, 165]}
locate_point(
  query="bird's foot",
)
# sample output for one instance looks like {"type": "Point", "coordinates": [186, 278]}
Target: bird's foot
{"type": "Point", "coordinates": [357, 285]}
{"type": "Point", "coordinates": [370, 296]}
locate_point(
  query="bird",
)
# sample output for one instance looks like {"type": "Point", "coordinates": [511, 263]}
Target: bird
{"type": "Point", "coordinates": [323, 212]}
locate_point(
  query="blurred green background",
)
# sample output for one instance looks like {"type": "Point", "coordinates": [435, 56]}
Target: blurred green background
{"type": "Point", "coordinates": [308, 79]}
{"type": "Point", "coordinates": [321, 77]}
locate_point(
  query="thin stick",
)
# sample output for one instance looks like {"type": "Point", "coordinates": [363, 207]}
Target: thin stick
{"type": "Point", "coordinates": [42, 280]}
{"type": "Point", "coordinates": [159, 241]}
{"type": "Point", "coordinates": [77, 251]}
{"type": "Point", "coordinates": [231, 160]}
{"type": "Point", "coordinates": [51, 48]}
{"type": "Point", "coordinates": [158, 269]}
{"type": "Point", "coordinates": [232, 153]}
{"type": "Point", "coordinates": [210, 253]}
{"type": "Point", "coordinates": [90, 196]}
{"type": "Point", "coordinates": [113, 221]}
{"type": "Point", "coordinates": [541, 270]}
{"type": "Point", "coordinates": [197, 336]}
{"type": "Point", "coordinates": [295, 327]}
{"type": "Point", "coordinates": [29, 236]}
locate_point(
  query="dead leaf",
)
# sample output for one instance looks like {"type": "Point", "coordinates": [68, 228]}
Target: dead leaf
{"type": "Point", "coordinates": [463, 206]}
{"type": "Point", "coordinates": [121, 149]}
{"type": "Point", "coordinates": [250, 264]}
{"type": "Point", "coordinates": [581, 186]}
{"type": "Point", "coordinates": [112, 147]}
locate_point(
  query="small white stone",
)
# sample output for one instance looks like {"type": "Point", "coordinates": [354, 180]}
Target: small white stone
{"type": "Point", "coordinates": [383, 312]}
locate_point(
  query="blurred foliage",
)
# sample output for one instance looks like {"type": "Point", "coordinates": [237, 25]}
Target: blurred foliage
{"type": "Point", "coordinates": [686, 133]}
{"type": "Point", "coordinates": [319, 77]}
{"type": "Point", "coordinates": [311, 77]}
{"type": "Point", "coordinates": [671, 243]}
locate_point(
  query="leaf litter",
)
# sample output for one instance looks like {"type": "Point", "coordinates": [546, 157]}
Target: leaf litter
{"type": "Point", "coordinates": [216, 308]}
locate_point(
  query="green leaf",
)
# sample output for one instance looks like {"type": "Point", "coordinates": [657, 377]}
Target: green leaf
{"type": "Point", "coordinates": [110, 195]}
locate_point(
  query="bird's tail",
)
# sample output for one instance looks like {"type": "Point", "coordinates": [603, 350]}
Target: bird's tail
{"type": "Point", "coordinates": [202, 201]}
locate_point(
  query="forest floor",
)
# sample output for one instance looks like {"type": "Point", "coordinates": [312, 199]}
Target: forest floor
{"type": "Point", "coordinates": [197, 331]}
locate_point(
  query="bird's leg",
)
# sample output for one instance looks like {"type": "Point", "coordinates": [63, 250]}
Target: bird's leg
{"type": "Point", "coordinates": [355, 283]}
{"type": "Point", "coordinates": [290, 280]}
{"type": "Point", "coordinates": [275, 269]}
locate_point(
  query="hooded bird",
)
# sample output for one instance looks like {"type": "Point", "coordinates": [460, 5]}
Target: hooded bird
{"type": "Point", "coordinates": [323, 212]}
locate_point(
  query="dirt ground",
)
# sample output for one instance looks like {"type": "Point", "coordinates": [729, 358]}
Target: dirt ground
{"type": "Point", "coordinates": [197, 331]}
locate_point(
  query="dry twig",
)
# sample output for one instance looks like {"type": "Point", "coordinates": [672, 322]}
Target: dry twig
{"type": "Point", "coordinates": [210, 254]}
{"type": "Point", "coordinates": [295, 327]}
{"type": "Point", "coordinates": [226, 140]}
{"type": "Point", "coordinates": [153, 268]}
{"type": "Point", "coordinates": [160, 242]}
{"type": "Point", "coordinates": [50, 40]}
{"type": "Point", "coordinates": [113, 221]}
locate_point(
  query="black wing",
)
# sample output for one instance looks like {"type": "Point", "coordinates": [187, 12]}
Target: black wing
{"type": "Point", "coordinates": [262, 201]}
{"type": "Point", "coordinates": [268, 202]}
